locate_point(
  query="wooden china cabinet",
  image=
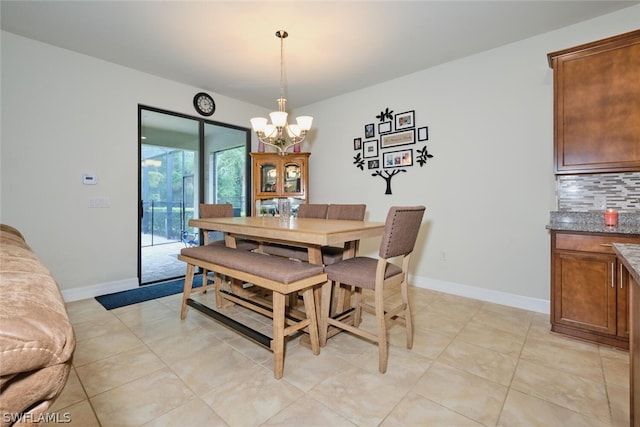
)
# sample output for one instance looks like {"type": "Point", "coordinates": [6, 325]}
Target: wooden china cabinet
{"type": "Point", "coordinates": [596, 108]}
{"type": "Point", "coordinates": [277, 176]}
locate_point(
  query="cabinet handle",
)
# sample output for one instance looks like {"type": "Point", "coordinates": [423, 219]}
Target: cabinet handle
{"type": "Point", "coordinates": [620, 276]}
{"type": "Point", "coordinates": [613, 272]}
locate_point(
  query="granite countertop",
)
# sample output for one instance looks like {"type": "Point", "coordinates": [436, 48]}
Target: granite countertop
{"type": "Point", "coordinates": [593, 222]}
{"type": "Point", "coordinates": [630, 256]}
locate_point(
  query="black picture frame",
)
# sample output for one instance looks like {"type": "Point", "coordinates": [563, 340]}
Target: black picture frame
{"type": "Point", "coordinates": [405, 120]}
{"type": "Point", "coordinates": [397, 159]}
{"type": "Point", "coordinates": [373, 164]}
{"type": "Point", "coordinates": [369, 130]}
{"type": "Point", "coordinates": [423, 134]}
{"type": "Point", "coordinates": [370, 149]}
{"type": "Point", "coordinates": [384, 127]}
{"type": "Point", "coordinates": [394, 139]}
{"type": "Point", "coordinates": [357, 143]}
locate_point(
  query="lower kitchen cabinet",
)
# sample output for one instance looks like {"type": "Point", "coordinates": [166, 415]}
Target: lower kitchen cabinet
{"type": "Point", "coordinates": [589, 287]}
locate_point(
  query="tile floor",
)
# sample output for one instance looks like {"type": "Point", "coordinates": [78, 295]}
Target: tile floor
{"type": "Point", "coordinates": [472, 364]}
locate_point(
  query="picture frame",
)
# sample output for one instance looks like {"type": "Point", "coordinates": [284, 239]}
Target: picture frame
{"type": "Point", "coordinates": [357, 143]}
{"type": "Point", "coordinates": [398, 159]}
{"type": "Point", "coordinates": [369, 130]}
{"type": "Point", "coordinates": [373, 164]}
{"type": "Point", "coordinates": [423, 134]}
{"type": "Point", "coordinates": [397, 138]}
{"type": "Point", "coordinates": [384, 127]}
{"type": "Point", "coordinates": [370, 149]}
{"type": "Point", "coordinates": [405, 120]}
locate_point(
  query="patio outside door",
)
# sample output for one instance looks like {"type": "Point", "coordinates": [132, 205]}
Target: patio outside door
{"type": "Point", "coordinates": [175, 176]}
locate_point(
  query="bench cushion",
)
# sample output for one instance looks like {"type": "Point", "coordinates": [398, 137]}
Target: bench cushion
{"type": "Point", "coordinates": [270, 267]}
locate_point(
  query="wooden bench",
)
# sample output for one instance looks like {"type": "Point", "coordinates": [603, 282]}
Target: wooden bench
{"type": "Point", "coordinates": [281, 276]}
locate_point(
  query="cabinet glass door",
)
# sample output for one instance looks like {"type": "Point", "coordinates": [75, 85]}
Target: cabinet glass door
{"type": "Point", "coordinates": [292, 177]}
{"type": "Point", "coordinates": [268, 178]}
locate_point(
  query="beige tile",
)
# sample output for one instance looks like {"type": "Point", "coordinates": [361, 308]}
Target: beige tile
{"type": "Point", "coordinates": [480, 361]}
{"type": "Point", "coordinates": [193, 413]}
{"type": "Point", "coordinates": [254, 391]}
{"type": "Point", "coordinates": [404, 366]}
{"type": "Point", "coordinates": [426, 342]}
{"type": "Point", "coordinates": [175, 348]}
{"type": "Point", "coordinates": [103, 346]}
{"type": "Point", "coordinates": [616, 371]}
{"type": "Point", "coordinates": [100, 326]}
{"type": "Point", "coordinates": [504, 318]}
{"type": "Point", "coordinates": [619, 402]}
{"type": "Point", "coordinates": [141, 400]}
{"type": "Point", "coordinates": [86, 310]}
{"type": "Point", "coordinates": [118, 369]}
{"type": "Point", "coordinates": [523, 410]}
{"type": "Point", "coordinates": [474, 397]}
{"type": "Point", "coordinates": [583, 359]}
{"type": "Point", "coordinates": [72, 393]}
{"type": "Point", "coordinates": [343, 393]}
{"type": "Point", "coordinates": [570, 390]}
{"type": "Point", "coordinates": [442, 323]}
{"type": "Point", "coordinates": [309, 413]}
{"type": "Point", "coordinates": [492, 338]}
{"type": "Point", "coordinates": [212, 367]}
{"type": "Point", "coordinates": [415, 410]}
{"type": "Point", "coordinates": [77, 415]}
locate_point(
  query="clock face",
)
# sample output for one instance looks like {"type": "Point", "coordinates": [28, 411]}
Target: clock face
{"type": "Point", "coordinates": [204, 104]}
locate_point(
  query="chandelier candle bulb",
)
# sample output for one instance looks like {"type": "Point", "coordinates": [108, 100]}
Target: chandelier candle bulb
{"type": "Point", "coordinates": [611, 217]}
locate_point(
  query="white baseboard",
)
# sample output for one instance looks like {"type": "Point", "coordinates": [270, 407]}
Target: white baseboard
{"type": "Point", "coordinates": [92, 291]}
{"type": "Point", "coordinates": [488, 295]}
{"type": "Point", "coordinates": [511, 300]}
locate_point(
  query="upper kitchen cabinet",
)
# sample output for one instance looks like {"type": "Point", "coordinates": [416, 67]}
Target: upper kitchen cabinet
{"type": "Point", "coordinates": [597, 106]}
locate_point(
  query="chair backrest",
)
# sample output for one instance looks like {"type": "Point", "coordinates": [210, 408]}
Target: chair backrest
{"type": "Point", "coordinates": [401, 230]}
{"type": "Point", "coordinates": [213, 210]}
{"type": "Point", "coordinates": [310, 210]}
{"type": "Point", "coordinates": [348, 212]}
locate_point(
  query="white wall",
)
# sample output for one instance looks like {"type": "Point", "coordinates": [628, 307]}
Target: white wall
{"type": "Point", "coordinates": [490, 186]}
{"type": "Point", "coordinates": [64, 114]}
{"type": "Point", "coordinates": [488, 190]}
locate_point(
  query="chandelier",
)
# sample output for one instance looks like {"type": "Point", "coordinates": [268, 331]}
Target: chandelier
{"type": "Point", "coordinates": [279, 133]}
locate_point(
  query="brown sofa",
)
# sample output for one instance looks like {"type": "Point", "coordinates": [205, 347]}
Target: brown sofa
{"type": "Point", "coordinates": [36, 337]}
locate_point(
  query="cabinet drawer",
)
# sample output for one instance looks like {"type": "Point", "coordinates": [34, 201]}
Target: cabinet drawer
{"type": "Point", "coordinates": [591, 243]}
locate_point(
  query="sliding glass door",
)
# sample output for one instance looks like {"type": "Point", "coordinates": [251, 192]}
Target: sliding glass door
{"type": "Point", "coordinates": [184, 161]}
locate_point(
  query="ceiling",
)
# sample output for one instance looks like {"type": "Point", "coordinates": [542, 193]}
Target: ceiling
{"type": "Point", "coordinates": [230, 47]}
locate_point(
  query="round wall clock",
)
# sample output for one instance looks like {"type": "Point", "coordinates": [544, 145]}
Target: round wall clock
{"type": "Point", "coordinates": [204, 104]}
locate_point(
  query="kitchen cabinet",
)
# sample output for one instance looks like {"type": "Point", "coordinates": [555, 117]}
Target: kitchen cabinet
{"type": "Point", "coordinates": [597, 105]}
{"type": "Point", "coordinates": [278, 176]}
{"type": "Point", "coordinates": [589, 287]}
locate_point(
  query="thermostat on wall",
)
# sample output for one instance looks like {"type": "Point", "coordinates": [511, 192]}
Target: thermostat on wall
{"type": "Point", "coordinates": [89, 179]}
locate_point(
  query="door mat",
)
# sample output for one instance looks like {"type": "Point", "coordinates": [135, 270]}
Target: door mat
{"type": "Point", "coordinates": [145, 293]}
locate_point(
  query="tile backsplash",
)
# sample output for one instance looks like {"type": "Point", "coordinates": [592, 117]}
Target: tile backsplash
{"type": "Point", "coordinates": [584, 193]}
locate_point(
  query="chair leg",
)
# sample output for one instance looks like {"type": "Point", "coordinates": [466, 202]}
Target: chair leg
{"type": "Point", "coordinates": [188, 283]}
{"type": "Point", "coordinates": [383, 350]}
{"type": "Point", "coordinates": [357, 304]}
{"type": "Point", "coordinates": [325, 310]}
{"type": "Point", "coordinates": [277, 343]}
{"type": "Point", "coordinates": [310, 309]}
{"type": "Point", "coordinates": [407, 313]}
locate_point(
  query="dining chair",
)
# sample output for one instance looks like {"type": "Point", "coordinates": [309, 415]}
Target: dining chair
{"type": "Point", "coordinates": [219, 210]}
{"type": "Point", "coordinates": [376, 274]}
{"type": "Point", "coordinates": [305, 210]}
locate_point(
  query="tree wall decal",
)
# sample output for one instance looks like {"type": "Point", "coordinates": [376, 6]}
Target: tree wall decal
{"type": "Point", "coordinates": [394, 142]}
{"type": "Point", "coordinates": [387, 175]}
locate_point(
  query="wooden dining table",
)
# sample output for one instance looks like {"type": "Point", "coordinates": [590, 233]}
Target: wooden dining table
{"type": "Point", "coordinates": [309, 233]}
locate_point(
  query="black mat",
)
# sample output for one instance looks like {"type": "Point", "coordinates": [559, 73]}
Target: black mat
{"type": "Point", "coordinates": [145, 293]}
